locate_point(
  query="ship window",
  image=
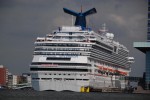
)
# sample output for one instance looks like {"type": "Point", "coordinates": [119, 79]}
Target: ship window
{"type": "Point", "coordinates": [36, 78]}
{"type": "Point", "coordinates": [69, 79]}
{"type": "Point", "coordinates": [56, 44]}
{"type": "Point", "coordinates": [46, 78]}
{"type": "Point", "coordinates": [59, 69]}
{"type": "Point", "coordinates": [115, 49]}
{"type": "Point", "coordinates": [66, 64]}
{"type": "Point", "coordinates": [57, 78]}
{"type": "Point", "coordinates": [64, 59]}
{"type": "Point", "coordinates": [78, 79]}
{"type": "Point", "coordinates": [70, 33]}
{"type": "Point", "coordinates": [85, 79]}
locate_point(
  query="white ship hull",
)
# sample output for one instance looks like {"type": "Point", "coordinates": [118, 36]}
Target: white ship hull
{"type": "Point", "coordinates": [59, 85]}
{"type": "Point", "coordinates": [93, 81]}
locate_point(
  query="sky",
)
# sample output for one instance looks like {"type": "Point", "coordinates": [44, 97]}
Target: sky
{"type": "Point", "coordinates": [22, 21]}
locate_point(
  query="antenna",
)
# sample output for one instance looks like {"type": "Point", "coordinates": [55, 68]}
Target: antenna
{"type": "Point", "coordinates": [104, 29]}
{"type": "Point", "coordinates": [72, 20]}
{"type": "Point", "coordinates": [81, 8]}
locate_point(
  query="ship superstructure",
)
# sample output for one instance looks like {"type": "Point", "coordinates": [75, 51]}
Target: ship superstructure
{"type": "Point", "coordinates": [72, 57]}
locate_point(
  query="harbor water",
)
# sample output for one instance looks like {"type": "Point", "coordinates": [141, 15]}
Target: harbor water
{"type": "Point", "coordinates": [53, 95]}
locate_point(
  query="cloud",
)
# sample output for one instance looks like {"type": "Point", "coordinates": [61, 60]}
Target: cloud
{"type": "Point", "coordinates": [118, 19]}
{"type": "Point", "coordinates": [132, 25]}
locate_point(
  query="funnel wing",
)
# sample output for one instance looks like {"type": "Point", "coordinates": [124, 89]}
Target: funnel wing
{"type": "Point", "coordinates": [70, 12]}
{"type": "Point", "coordinates": [89, 12]}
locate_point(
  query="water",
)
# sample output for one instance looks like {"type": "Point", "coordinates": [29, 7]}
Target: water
{"type": "Point", "coordinates": [52, 95]}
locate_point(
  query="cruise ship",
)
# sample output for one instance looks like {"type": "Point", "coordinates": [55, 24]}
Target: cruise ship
{"type": "Point", "coordinates": [72, 57]}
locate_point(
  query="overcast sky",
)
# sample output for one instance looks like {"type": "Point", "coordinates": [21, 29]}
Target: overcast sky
{"type": "Point", "coordinates": [22, 21]}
